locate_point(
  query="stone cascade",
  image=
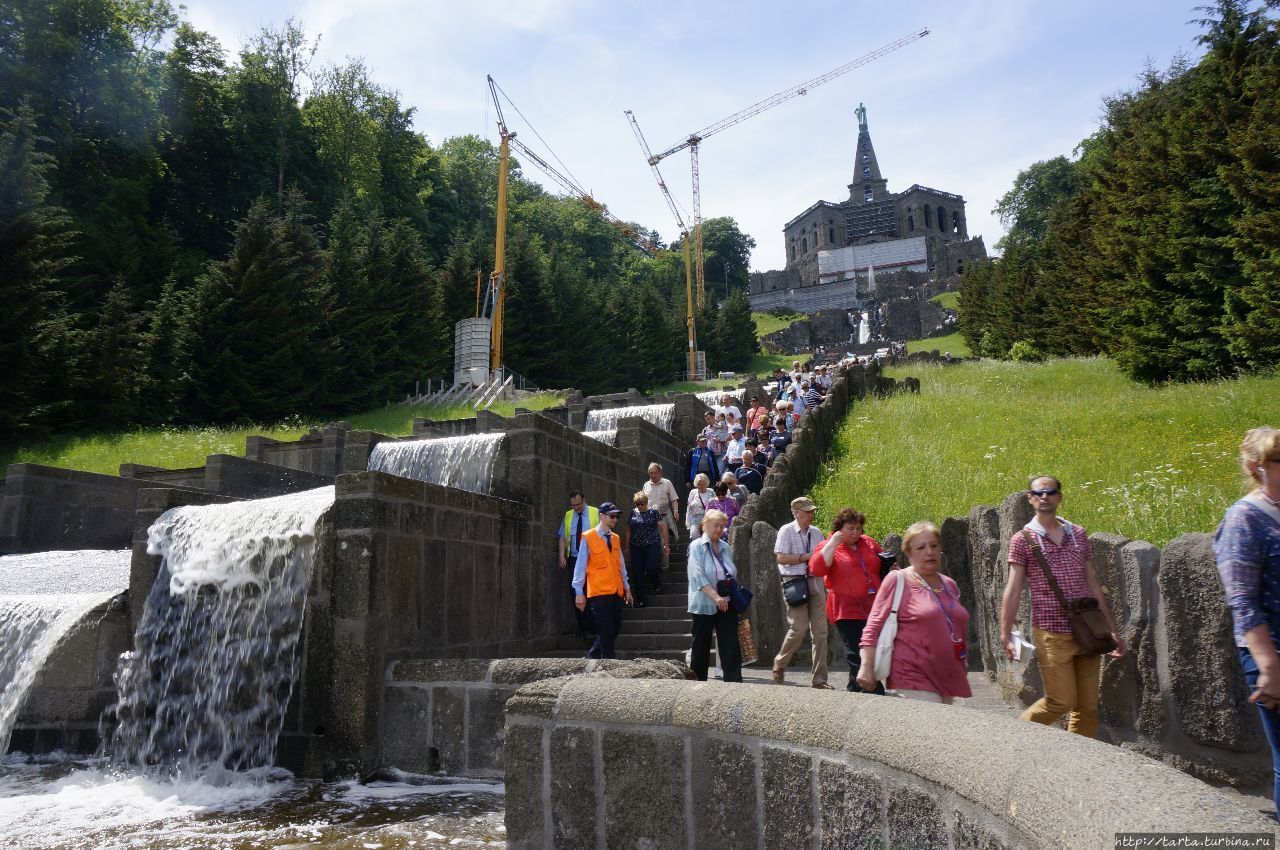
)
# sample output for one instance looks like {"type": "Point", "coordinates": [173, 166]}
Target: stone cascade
{"type": "Point", "coordinates": [464, 462]}
{"type": "Point", "coordinates": [44, 596]}
{"type": "Point", "coordinates": [204, 691]}
{"type": "Point", "coordinates": [712, 397]}
{"type": "Point", "coordinates": [602, 420]}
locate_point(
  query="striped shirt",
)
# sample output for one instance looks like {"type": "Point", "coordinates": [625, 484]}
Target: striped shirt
{"type": "Point", "coordinates": [1066, 559]}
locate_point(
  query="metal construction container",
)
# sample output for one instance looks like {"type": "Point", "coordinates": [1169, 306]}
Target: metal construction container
{"type": "Point", "coordinates": [471, 351]}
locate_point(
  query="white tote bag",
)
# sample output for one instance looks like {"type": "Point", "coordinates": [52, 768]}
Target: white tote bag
{"type": "Point", "coordinates": [889, 633]}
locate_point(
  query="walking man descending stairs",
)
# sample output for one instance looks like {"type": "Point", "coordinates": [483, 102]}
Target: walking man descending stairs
{"type": "Point", "coordinates": [601, 572]}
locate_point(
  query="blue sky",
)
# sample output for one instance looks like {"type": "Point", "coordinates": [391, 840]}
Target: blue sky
{"type": "Point", "coordinates": [995, 87]}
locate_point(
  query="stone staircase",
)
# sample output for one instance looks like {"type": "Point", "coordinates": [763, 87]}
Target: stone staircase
{"type": "Point", "coordinates": [662, 629]}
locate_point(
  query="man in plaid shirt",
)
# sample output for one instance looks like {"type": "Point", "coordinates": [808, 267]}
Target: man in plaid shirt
{"type": "Point", "coordinates": [1070, 679]}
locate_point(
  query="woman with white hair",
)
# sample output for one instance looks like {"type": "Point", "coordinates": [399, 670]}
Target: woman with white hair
{"type": "Point", "coordinates": [711, 568]}
{"type": "Point", "coordinates": [700, 499]}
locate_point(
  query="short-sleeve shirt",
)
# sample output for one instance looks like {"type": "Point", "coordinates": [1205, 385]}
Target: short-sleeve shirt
{"type": "Point", "coordinates": [1067, 561]}
{"type": "Point", "coordinates": [792, 541]}
{"type": "Point", "coordinates": [661, 495]}
{"type": "Point", "coordinates": [1247, 547]}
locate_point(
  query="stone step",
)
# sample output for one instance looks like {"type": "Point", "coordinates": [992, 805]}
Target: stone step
{"type": "Point", "coordinates": [657, 612]}
{"type": "Point", "coordinates": [666, 599]}
{"type": "Point", "coordinates": [650, 626]}
{"type": "Point", "coordinates": [623, 654]}
{"type": "Point", "coordinates": [648, 641]}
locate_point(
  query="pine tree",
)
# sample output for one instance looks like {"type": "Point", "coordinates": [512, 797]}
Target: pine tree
{"type": "Point", "coordinates": [259, 344]}
{"type": "Point", "coordinates": [34, 253]}
{"type": "Point", "coordinates": [736, 331]}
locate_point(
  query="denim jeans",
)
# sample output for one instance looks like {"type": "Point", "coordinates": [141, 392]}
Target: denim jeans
{"type": "Point", "coordinates": [1270, 724]}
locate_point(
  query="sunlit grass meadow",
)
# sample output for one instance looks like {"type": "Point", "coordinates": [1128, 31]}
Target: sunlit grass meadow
{"type": "Point", "coordinates": [942, 344]}
{"type": "Point", "coordinates": [767, 323]}
{"type": "Point", "coordinates": [180, 448]}
{"type": "Point", "coordinates": [1147, 463]}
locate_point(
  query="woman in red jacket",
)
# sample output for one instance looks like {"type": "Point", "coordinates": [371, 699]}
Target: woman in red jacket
{"type": "Point", "coordinates": [849, 561]}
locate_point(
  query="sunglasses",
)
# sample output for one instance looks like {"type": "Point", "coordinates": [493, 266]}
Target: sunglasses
{"type": "Point", "coordinates": [1048, 491]}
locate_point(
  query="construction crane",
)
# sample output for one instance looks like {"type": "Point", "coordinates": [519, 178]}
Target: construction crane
{"type": "Point", "coordinates": [491, 307]}
{"type": "Point", "coordinates": [691, 356]}
{"type": "Point", "coordinates": [695, 139]}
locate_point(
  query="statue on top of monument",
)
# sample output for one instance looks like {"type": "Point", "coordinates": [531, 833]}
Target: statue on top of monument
{"type": "Point", "coordinates": [861, 112]}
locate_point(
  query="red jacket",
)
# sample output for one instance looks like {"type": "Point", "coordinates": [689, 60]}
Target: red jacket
{"type": "Point", "coordinates": [853, 567]}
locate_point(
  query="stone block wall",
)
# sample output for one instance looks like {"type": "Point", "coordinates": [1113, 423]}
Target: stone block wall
{"type": "Point", "coordinates": [590, 761]}
{"type": "Point", "coordinates": [77, 682]}
{"type": "Point", "coordinates": [229, 475]}
{"type": "Point", "coordinates": [1178, 694]}
{"type": "Point", "coordinates": [46, 507]}
{"type": "Point", "coordinates": [447, 714]}
{"type": "Point", "coordinates": [409, 570]}
{"type": "Point", "coordinates": [319, 451]}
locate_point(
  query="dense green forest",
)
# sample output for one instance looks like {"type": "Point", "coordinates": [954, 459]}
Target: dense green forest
{"type": "Point", "coordinates": [191, 235]}
{"type": "Point", "coordinates": [1159, 244]}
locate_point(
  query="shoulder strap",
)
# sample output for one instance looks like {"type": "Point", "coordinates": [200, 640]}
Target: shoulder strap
{"type": "Point", "coordinates": [899, 583]}
{"type": "Point", "coordinates": [1262, 504]}
{"type": "Point", "coordinates": [1044, 565]}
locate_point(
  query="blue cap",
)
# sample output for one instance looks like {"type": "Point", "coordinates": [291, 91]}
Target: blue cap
{"type": "Point", "coordinates": [610, 508]}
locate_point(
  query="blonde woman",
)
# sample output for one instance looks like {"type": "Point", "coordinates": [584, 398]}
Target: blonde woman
{"type": "Point", "coordinates": [1247, 546]}
{"type": "Point", "coordinates": [929, 656]}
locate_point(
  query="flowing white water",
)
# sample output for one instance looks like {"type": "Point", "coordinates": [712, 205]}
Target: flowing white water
{"type": "Point", "coordinates": [204, 692]}
{"type": "Point", "coordinates": [711, 398]}
{"type": "Point", "coordinates": [464, 462]}
{"type": "Point", "coordinates": [61, 807]}
{"type": "Point", "coordinates": [609, 438]}
{"type": "Point", "coordinates": [42, 597]}
{"type": "Point", "coordinates": [864, 328]}
{"type": "Point", "coordinates": [661, 415]}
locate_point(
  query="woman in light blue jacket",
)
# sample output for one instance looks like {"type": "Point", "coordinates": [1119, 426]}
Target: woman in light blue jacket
{"type": "Point", "coordinates": [710, 564]}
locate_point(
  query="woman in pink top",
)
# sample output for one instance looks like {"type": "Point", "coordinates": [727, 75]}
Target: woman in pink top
{"type": "Point", "coordinates": [929, 657]}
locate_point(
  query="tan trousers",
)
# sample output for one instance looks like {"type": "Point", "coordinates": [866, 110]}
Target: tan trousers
{"type": "Point", "coordinates": [811, 618]}
{"type": "Point", "coordinates": [1070, 684]}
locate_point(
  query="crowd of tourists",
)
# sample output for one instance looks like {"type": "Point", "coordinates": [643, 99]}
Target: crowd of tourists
{"type": "Point", "coordinates": [903, 628]}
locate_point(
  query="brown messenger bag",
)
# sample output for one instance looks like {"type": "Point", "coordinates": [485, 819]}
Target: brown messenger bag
{"type": "Point", "coordinates": [1089, 628]}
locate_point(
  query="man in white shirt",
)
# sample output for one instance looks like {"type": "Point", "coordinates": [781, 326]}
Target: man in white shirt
{"type": "Point", "coordinates": [734, 448]}
{"type": "Point", "coordinates": [796, 542]}
{"type": "Point", "coordinates": [662, 497]}
{"type": "Point", "coordinates": [727, 406]}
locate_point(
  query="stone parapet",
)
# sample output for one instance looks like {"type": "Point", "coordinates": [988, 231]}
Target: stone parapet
{"type": "Point", "coordinates": [319, 451]}
{"type": "Point", "coordinates": [1179, 693]}
{"type": "Point", "coordinates": [588, 761]}
{"type": "Point", "coordinates": [448, 714]}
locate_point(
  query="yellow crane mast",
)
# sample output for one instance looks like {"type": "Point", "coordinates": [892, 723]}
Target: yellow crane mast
{"type": "Point", "coordinates": [695, 139]}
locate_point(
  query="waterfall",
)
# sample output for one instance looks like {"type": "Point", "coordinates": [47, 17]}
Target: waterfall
{"type": "Point", "coordinates": [42, 597]}
{"type": "Point", "coordinates": [661, 415]}
{"type": "Point", "coordinates": [864, 329]}
{"type": "Point", "coordinates": [609, 438]}
{"type": "Point", "coordinates": [215, 656]}
{"type": "Point", "coordinates": [464, 462]}
{"type": "Point", "coordinates": [712, 399]}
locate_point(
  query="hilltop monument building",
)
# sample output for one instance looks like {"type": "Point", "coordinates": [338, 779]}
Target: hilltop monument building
{"type": "Point", "coordinates": [834, 244]}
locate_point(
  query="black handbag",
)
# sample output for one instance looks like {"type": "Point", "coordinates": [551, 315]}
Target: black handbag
{"type": "Point", "coordinates": [796, 590]}
{"type": "Point", "coordinates": [739, 597]}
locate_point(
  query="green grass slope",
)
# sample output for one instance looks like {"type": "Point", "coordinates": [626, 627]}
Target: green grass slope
{"type": "Point", "coordinates": [180, 448]}
{"type": "Point", "coordinates": [1148, 463]}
